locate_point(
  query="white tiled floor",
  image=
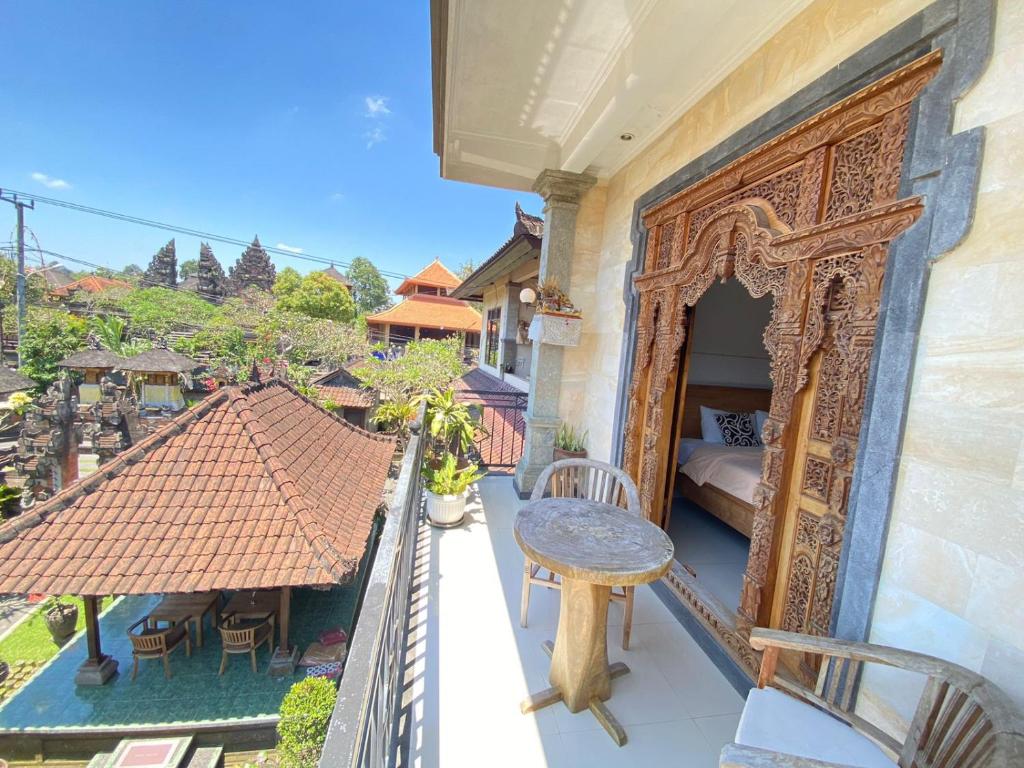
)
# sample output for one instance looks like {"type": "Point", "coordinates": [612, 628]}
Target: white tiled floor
{"type": "Point", "coordinates": [472, 664]}
{"type": "Point", "coordinates": [716, 552]}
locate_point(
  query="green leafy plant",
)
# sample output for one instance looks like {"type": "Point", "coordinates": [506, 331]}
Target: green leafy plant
{"type": "Point", "coordinates": [48, 338]}
{"type": "Point", "coordinates": [111, 331]}
{"type": "Point", "coordinates": [450, 423]}
{"type": "Point", "coordinates": [568, 439]}
{"type": "Point", "coordinates": [20, 402]}
{"type": "Point", "coordinates": [10, 502]}
{"type": "Point", "coordinates": [445, 478]}
{"type": "Point", "coordinates": [425, 365]}
{"type": "Point", "coordinates": [305, 713]}
{"type": "Point", "coordinates": [395, 416]}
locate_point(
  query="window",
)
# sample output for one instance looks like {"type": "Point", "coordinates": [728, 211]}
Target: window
{"type": "Point", "coordinates": [493, 330]}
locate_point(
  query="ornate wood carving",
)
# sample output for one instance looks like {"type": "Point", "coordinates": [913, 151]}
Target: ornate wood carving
{"type": "Point", "coordinates": [806, 218]}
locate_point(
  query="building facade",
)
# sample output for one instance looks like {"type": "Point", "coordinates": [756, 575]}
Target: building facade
{"type": "Point", "coordinates": [925, 542]}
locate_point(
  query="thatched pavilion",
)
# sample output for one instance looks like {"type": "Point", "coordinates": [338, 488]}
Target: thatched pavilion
{"type": "Point", "coordinates": [255, 487]}
{"type": "Point", "coordinates": [161, 371]}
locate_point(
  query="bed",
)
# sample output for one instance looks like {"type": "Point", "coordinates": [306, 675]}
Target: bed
{"type": "Point", "coordinates": [721, 479]}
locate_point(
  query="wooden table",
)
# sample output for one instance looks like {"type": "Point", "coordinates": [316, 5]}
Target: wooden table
{"type": "Point", "coordinates": [194, 606]}
{"type": "Point", "coordinates": [250, 604]}
{"type": "Point", "coordinates": [593, 547]}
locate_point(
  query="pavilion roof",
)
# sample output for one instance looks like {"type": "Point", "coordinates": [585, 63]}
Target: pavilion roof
{"type": "Point", "coordinates": [13, 381]}
{"type": "Point", "coordinates": [254, 487]}
{"type": "Point", "coordinates": [425, 310]}
{"type": "Point", "coordinates": [92, 358]}
{"type": "Point", "coordinates": [434, 275]}
{"type": "Point", "coordinates": [159, 360]}
{"type": "Point", "coordinates": [90, 284]}
{"type": "Point", "coordinates": [334, 274]}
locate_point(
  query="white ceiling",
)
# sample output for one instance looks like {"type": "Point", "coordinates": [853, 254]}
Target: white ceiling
{"type": "Point", "coordinates": [535, 84]}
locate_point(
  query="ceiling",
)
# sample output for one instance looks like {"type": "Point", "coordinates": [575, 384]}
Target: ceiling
{"type": "Point", "coordinates": [534, 84]}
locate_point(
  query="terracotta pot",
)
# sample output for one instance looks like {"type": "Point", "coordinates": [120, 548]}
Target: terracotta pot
{"type": "Point", "coordinates": [445, 511]}
{"type": "Point", "coordinates": [61, 622]}
{"type": "Point", "coordinates": [561, 453]}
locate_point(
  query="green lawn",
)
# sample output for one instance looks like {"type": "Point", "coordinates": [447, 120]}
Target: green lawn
{"type": "Point", "coordinates": [31, 640]}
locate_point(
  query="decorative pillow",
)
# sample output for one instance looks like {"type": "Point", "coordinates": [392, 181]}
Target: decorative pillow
{"type": "Point", "coordinates": [737, 429]}
{"type": "Point", "coordinates": [331, 670]}
{"type": "Point", "coordinates": [709, 430]}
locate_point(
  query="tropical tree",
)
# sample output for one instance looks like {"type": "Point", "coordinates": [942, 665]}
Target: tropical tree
{"type": "Point", "coordinates": [188, 268]}
{"type": "Point", "coordinates": [155, 309]}
{"type": "Point", "coordinates": [48, 337]}
{"type": "Point", "coordinates": [287, 282]}
{"type": "Point", "coordinates": [425, 365]}
{"type": "Point", "coordinates": [317, 295]}
{"type": "Point", "coordinates": [369, 289]}
{"type": "Point", "coordinates": [111, 331]}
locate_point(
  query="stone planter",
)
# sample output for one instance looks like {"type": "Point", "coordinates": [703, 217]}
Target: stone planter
{"type": "Point", "coordinates": [61, 622]}
{"type": "Point", "coordinates": [556, 328]}
{"type": "Point", "coordinates": [561, 453]}
{"type": "Point", "coordinates": [445, 511]}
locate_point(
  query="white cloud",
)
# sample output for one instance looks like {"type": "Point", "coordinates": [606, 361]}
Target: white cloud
{"type": "Point", "coordinates": [50, 181]}
{"type": "Point", "coordinates": [336, 197]}
{"type": "Point", "coordinates": [289, 248]}
{"type": "Point", "coordinates": [377, 106]}
{"type": "Point", "coordinates": [374, 136]}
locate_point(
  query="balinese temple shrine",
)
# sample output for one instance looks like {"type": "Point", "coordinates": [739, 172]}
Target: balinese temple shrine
{"type": "Point", "coordinates": [161, 373]}
{"type": "Point", "coordinates": [93, 365]}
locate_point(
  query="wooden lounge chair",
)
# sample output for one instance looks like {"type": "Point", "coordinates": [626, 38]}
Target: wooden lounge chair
{"type": "Point", "coordinates": [962, 719]}
{"type": "Point", "coordinates": [244, 637]}
{"type": "Point", "coordinates": [158, 643]}
{"type": "Point", "coordinates": [583, 479]}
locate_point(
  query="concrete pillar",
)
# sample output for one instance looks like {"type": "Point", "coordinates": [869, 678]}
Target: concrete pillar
{"type": "Point", "coordinates": [509, 327]}
{"type": "Point", "coordinates": [561, 191]}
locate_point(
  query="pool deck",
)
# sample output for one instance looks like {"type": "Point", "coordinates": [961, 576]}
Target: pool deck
{"type": "Point", "coordinates": [195, 697]}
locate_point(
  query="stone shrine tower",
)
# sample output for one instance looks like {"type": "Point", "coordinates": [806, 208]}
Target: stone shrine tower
{"type": "Point", "coordinates": [163, 268]}
{"type": "Point", "coordinates": [213, 284]}
{"type": "Point", "coordinates": [253, 268]}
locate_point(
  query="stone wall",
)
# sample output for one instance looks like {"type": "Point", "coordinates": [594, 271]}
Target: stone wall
{"type": "Point", "coordinates": [954, 568]}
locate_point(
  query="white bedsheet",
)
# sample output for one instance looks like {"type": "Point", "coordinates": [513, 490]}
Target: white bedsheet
{"type": "Point", "coordinates": [736, 471]}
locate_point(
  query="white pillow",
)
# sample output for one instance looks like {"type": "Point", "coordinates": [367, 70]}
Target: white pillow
{"type": "Point", "coordinates": [709, 427]}
{"type": "Point", "coordinates": [687, 446]}
{"type": "Point", "coordinates": [760, 417]}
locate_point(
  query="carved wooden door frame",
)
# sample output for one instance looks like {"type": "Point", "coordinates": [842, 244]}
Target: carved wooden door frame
{"type": "Point", "coordinates": [816, 205]}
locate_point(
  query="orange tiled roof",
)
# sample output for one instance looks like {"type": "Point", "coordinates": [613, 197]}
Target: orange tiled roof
{"type": "Point", "coordinates": [427, 311]}
{"type": "Point", "coordinates": [254, 487]}
{"type": "Point", "coordinates": [434, 274]}
{"type": "Point", "coordinates": [90, 284]}
{"type": "Point", "coordinates": [346, 397]}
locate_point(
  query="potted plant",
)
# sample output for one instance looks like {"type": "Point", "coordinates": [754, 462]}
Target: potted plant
{"type": "Point", "coordinates": [61, 617]}
{"type": "Point", "coordinates": [557, 321]}
{"type": "Point", "coordinates": [451, 426]}
{"type": "Point", "coordinates": [570, 444]}
{"type": "Point", "coordinates": [445, 486]}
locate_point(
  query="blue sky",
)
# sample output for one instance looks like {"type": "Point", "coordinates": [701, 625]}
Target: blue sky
{"type": "Point", "coordinates": [307, 123]}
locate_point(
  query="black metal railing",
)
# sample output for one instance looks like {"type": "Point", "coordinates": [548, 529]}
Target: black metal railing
{"type": "Point", "coordinates": [364, 727]}
{"type": "Point", "coordinates": [503, 415]}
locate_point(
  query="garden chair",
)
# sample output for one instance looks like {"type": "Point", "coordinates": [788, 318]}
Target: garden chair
{"type": "Point", "coordinates": [962, 720]}
{"type": "Point", "coordinates": [583, 479]}
{"type": "Point", "coordinates": [244, 637]}
{"type": "Point", "coordinates": [156, 643]}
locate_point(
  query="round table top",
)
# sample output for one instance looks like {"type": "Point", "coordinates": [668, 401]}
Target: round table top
{"type": "Point", "coordinates": [592, 541]}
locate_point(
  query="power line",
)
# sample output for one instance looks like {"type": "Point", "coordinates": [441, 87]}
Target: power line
{"type": "Point", "coordinates": [189, 231]}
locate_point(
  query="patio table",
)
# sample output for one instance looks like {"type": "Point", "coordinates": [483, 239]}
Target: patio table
{"type": "Point", "coordinates": [593, 547]}
{"type": "Point", "coordinates": [254, 604]}
{"type": "Point", "coordinates": [192, 606]}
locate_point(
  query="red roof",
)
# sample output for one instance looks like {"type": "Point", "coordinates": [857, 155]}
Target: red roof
{"type": "Point", "coordinates": [424, 310]}
{"type": "Point", "coordinates": [254, 487]}
{"type": "Point", "coordinates": [435, 275]}
{"type": "Point", "coordinates": [90, 284]}
{"type": "Point", "coordinates": [346, 397]}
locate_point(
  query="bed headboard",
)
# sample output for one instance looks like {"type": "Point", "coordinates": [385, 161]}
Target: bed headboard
{"type": "Point", "coordinates": [722, 398]}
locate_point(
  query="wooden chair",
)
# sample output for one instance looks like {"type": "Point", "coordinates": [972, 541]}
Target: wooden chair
{"type": "Point", "coordinates": [583, 479]}
{"type": "Point", "coordinates": [962, 720]}
{"type": "Point", "coordinates": [244, 637]}
{"type": "Point", "coordinates": [156, 643]}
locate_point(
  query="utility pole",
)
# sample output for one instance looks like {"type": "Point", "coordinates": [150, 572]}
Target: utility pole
{"type": "Point", "coordinates": [20, 205]}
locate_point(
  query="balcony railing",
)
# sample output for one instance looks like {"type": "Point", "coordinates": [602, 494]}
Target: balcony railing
{"type": "Point", "coordinates": [364, 727]}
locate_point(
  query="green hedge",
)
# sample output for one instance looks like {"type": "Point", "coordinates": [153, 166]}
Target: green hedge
{"type": "Point", "coordinates": [305, 712]}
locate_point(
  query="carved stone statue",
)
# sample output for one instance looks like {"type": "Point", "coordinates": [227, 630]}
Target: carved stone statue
{"type": "Point", "coordinates": [163, 268]}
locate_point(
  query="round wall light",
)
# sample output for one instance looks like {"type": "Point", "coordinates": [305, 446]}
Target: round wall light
{"type": "Point", "coordinates": [527, 296]}
{"type": "Point", "coordinates": [626, 136]}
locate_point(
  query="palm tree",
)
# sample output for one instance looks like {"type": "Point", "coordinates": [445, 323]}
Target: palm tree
{"type": "Point", "coordinates": [110, 331]}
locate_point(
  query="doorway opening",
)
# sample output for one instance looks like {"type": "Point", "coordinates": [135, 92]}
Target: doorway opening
{"type": "Point", "coordinates": [722, 402]}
